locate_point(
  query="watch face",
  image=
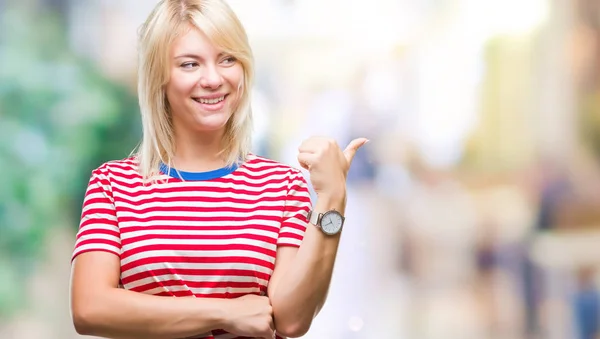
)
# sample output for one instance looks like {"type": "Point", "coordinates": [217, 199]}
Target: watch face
{"type": "Point", "coordinates": [331, 222]}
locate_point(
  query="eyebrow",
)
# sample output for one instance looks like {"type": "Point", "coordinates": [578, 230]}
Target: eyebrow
{"type": "Point", "coordinates": [194, 56]}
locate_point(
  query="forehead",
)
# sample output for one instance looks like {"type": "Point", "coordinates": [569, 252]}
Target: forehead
{"type": "Point", "coordinates": [194, 41]}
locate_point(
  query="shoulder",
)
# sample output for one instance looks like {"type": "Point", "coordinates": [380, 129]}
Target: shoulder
{"type": "Point", "coordinates": [127, 167]}
{"type": "Point", "coordinates": [259, 164]}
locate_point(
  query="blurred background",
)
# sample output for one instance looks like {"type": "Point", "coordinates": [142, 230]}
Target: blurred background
{"type": "Point", "coordinates": [474, 212]}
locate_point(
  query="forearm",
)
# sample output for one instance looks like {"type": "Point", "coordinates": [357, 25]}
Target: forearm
{"type": "Point", "coordinates": [302, 290]}
{"type": "Point", "coordinates": [117, 313]}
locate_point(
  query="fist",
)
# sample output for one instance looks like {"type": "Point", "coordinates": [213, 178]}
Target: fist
{"type": "Point", "coordinates": [251, 316]}
{"type": "Point", "coordinates": [327, 164]}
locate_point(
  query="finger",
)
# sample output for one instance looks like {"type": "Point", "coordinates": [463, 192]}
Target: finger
{"type": "Point", "coordinates": [269, 335]}
{"type": "Point", "coordinates": [352, 147]}
{"type": "Point", "coordinates": [306, 160]}
{"type": "Point", "coordinates": [311, 145]}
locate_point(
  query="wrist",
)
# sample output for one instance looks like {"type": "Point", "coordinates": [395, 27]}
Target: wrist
{"type": "Point", "coordinates": [333, 200]}
{"type": "Point", "coordinates": [223, 313]}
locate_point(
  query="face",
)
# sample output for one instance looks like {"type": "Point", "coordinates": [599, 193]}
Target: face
{"type": "Point", "coordinates": [203, 89]}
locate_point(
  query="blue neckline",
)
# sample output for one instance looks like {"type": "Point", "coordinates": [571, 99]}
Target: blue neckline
{"type": "Point", "coordinates": [196, 176]}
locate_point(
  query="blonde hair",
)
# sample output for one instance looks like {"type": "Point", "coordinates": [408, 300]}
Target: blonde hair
{"type": "Point", "coordinates": [169, 20]}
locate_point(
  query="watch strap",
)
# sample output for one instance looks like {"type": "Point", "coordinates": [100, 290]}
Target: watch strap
{"type": "Point", "coordinates": [314, 218]}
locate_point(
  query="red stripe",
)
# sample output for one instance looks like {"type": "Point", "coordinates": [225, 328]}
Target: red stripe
{"type": "Point", "coordinates": [98, 241]}
{"type": "Point", "coordinates": [252, 218]}
{"type": "Point", "coordinates": [198, 247]}
{"type": "Point", "coordinates": [264, 173]}
{"type": "Point", "coordinates": [96, 231]}
{"type": "Point", "coordinates": [245, 236]}
{"type": "Point", "coordinates": [98, 181]}
{"type": "Point", "coordinates": [290, 209]}
{"type": "Point", "coordinates": [78, 253]}
{"type": "Point", "coordinates": [118, 192]}
{"type": "Point", "coordinates": [99, 210]}
{"type": "Point", "coordinates": [183, 209]}
{"type": "Point", "coordinates": [129, 229]}
{"type": "Point", "coordinates": [195, 284]}
{"type": "Point", "coordinates": [90, 201]}
{"type": "Point", "coordinates": [197, 272]}
{"type": "Point", "coordinates": [199, 295]}
{"type": "Point", "coordinates": [198, 199]}
{"type": "Point", "coordinates": [268, 172]}
{"type": "Point", "coordinates": [290, 235]}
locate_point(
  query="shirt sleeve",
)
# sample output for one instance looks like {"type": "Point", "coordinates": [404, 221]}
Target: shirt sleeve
{"type": "Point", "coordinates": [98, 228]}
{"type": "Point", "coordinates": [297, 206]}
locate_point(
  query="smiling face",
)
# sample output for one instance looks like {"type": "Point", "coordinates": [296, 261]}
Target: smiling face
{"type": "Point", "coordinates": [204, 87]}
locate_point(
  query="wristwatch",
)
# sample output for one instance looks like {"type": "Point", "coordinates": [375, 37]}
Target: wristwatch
{"type": "Point", "coordinates": [330, 222]}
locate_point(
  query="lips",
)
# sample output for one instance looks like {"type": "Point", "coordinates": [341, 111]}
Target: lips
{"type": "Point", "coordinates": [213, 103]}
{"type": "Point", "coordinates": [210, 101]}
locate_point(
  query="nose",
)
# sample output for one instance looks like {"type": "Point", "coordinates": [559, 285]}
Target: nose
{"type": "Point", "coordinates": [210, 78]}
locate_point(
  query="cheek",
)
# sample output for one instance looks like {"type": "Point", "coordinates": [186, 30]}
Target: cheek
{"type": "Point", "coordinates": [235, 77]}
{"type": "Point", "coordinates": [180, 84]}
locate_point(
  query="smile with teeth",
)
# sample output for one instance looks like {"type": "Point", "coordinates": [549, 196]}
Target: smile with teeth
{"type": "Point", "coordinates": [210, 101]}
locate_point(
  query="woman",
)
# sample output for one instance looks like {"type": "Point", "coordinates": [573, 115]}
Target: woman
{"type": "Point", "coordinates": [193, 214]}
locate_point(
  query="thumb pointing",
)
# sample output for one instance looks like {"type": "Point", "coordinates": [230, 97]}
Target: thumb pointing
{"type": "Point", "coordinates": [352, 147]}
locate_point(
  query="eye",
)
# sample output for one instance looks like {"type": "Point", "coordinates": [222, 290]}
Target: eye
{"type": "Point", "coordinates": [229, 60]}
{"type": "Point", "coordinates": [189, 64]}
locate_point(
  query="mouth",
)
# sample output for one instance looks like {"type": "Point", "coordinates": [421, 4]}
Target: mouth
{"type": "Point", "coordinates": [210, 101]}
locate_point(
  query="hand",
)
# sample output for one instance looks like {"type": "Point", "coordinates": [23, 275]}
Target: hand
{"type": "Point", "coordinates": [251, 316]}
{"type": "Point", "coordinates": [327, 164]}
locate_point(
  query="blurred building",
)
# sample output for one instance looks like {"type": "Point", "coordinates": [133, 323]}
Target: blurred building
{"type": "Point", "coordinates": [474, 211]}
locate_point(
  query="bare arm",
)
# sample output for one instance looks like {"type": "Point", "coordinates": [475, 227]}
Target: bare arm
{"type": "Point", "coordinates": [300, 282]}
{"type": "Point", "coordinates": [301, 278]}
{"type": "Point", "coordinates": [100, 308]}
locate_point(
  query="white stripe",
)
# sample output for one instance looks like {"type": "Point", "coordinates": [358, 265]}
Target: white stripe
{"type": "Point", "coordinates": [203, 185]}
{"type": "Point", "coordinates": [225, 195]}
{"type": "Point", "coordinates": [254, 177]}
{"type": "Point", "coordinates": [96, 195]}
{"type": "Point", "coordinates": [99, 183]}
{"type": "Point", "coordinates": [199, 278]}
{"type": "Point", "coordinates": [209, 223]}
{"type": "Point", "coordinates": [157, 290]}
{"type": "Point", "coordinates": [291, 230]}
{"type": "Point", "coordinates": [259, 174]}
{"type": "Point", "coordinates": [298, 203]}
{"type": "Point", "coordinates": [99, 206]}
{"type": "Point", "coordinates": [256, 214]}
{"type": "Point", "coordinates": [95, 217]}
{"type": "Point", "coordinates": [295, 221]}
{"type": "Point", "coordinates": [154, 232]}
{"type": "Point", "coordinates": [205, 204]}
{"type": "Point", "coordinates": [290, 241]}
{"type": "Point", "coordinates": [94, 236]}
{"type": "Point", "coordinates": [97, 246]}
{"type": "Point", "coordinates": [201, 242]}
{"type": "Point", "coordinates": [195, 254]}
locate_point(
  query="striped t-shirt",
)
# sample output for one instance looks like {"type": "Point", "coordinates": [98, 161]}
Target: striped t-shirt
{"type": "Point", "coordinates": [209, 235]}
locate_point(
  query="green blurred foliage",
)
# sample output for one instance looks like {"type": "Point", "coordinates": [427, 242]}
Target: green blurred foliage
{"type": "Point", "coordinates": [59, 119]}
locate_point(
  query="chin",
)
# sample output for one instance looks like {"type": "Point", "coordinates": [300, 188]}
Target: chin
{"type": "Point", "coordinates": [211, 124]}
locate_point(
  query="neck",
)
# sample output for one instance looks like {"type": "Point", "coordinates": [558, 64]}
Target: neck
{"type": "Point", "coordinates": [198, 151]}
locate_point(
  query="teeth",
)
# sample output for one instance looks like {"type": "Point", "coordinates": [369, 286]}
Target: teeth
{"type": "Point", "coordinates": [211, 101]}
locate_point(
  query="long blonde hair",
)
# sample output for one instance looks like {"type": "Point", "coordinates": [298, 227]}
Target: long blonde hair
{"type": "Point", "coordinates": [169, 20]}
